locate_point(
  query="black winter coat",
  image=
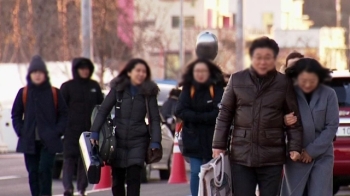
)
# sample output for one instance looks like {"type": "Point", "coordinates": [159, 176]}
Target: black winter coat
{"type": "Point", "coordinates": [40, 112]}
{"type": "Point", "coordinates": [199, 116]}
{"type": "Point", "coordinates": [132, 132]}
{"type": "Point", "coordinates": [81, 96]}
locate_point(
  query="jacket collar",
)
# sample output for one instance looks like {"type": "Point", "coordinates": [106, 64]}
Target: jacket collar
{"type": "Point", "coordinates": [147, 88]}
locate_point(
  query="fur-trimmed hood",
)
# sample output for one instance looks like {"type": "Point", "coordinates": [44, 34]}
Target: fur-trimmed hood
{"type": "Point", "coordinates": [148, 88]}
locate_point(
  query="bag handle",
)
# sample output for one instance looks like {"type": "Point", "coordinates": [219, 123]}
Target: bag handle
{"type": "Point", "coordinates": [148, 116]}
{"type": "Point", "coordinates": [218, 183]}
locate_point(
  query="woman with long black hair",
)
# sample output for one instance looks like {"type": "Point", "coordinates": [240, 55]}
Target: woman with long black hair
{"type": "Point", "coordinates": [203, 86]}
{"type": "Point", "coordinates": [135, 87]}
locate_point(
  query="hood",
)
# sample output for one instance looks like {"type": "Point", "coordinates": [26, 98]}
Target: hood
{"type": "Point", "coordinates": [37, 64]}
{"type": "Point", "coordinates": [148, 88]}
{"type": "Point", "coordinates": [77, 62]}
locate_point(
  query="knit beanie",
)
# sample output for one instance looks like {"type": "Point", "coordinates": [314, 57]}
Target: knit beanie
{"type": "Point", "coordinates": [37, 64]}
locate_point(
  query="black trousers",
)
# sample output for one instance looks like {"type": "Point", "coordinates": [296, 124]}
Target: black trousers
{"type": "Point", "coordinates": [132, 176]}
{"type": "Point", "coordinates": [39, 167]}
{"type": "Point", "coordinates": [245, 179]}
{"type": "Point", "coordinates": [69, 166]}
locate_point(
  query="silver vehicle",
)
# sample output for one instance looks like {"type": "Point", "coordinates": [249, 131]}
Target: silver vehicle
{"type": "Point", "coordinates": [164, 164]}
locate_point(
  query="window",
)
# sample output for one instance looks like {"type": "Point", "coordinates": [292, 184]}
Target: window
{"type": "Point", "coordinates": [188, 21]}
{"type": "Point", "coordinates": [341, 87]}
{"type": "Point", "coordinates": [233, 20]}
{"type": "Point", "coordinates": [268, 21]}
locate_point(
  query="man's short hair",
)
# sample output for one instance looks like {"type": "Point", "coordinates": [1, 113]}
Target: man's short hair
{"type": "Point", "coordinates": [175, 92]}
{"type": "Point", "coordinates": [264, 42]}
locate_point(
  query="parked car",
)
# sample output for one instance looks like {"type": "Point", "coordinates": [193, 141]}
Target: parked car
{"type": "Point", "coordinates": [341, 172]}
{"type": "Point", "coordinates": [164, 165]}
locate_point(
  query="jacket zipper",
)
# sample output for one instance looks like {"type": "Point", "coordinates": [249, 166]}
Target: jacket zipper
{"type": "Point", "coordinates": [127, 131]}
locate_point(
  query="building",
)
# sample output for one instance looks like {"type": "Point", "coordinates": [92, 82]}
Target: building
{"type": "Point", "coordinates": [261, 17]}
{"type": "Point", "coordinates": [159, 20]}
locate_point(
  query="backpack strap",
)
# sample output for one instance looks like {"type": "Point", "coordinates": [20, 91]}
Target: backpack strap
{"type": "Point", "coordinates": [55, 97]}
{"type": "Point", "coordinates": [193, 90]}
{"type": "Point", "coordinates": [24, 96]}
{"type": "Point", "coordinates": [211, 89]}
{"type": "Point", "coordinates": [54, 94]}
{"type": "Point", "coordinates": [119, 103]}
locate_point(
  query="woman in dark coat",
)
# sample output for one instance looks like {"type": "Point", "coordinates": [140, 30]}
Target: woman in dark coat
{"type": "Point", "coordinates": [203, 86]}
{"type": "Point", "coordinates": [135, 86]}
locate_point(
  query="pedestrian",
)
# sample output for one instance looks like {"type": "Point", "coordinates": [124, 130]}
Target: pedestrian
{"type": "Point", "coordinates": [202, 89]}
{"type": "Point", "coordinates": [290, 60]}
{"type": "Point", "coordinates": [256, 100]}
{"type": "Point", "coordinates": [131, 88]}
{"type": "Point", "coordinates": [39, 117]}
{"type": "Point", "coordinates": [81, 94]}
{"type": "Point", "coordinates": [168, 108]}
{"type": "Point", "coordinates": [318, 105]}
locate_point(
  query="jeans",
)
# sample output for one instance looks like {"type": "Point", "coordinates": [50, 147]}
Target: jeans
{"type": "Point", "coordinates": [195, 164]}
{"type": "Point", "coordinates": [39, 167]}
{"type": "Point", "coordinates": [246, 178]}
{"type": "Point", "coordinates": [132, 175]}
{"type": "Point", "coordinates": [68, 173]}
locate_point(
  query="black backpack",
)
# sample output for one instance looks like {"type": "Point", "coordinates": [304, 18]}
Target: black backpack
{"type": "Point", "coordinates": [107, 139]}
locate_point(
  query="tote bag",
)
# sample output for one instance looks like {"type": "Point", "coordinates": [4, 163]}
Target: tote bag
{"type": "Point", "coordinates": [215, 177]}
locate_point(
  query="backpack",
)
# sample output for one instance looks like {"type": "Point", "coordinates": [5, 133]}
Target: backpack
{"type": "Point", "coordinates": [107, 140]}
{"type": "Point", "coordinates": [54, 93]}
{"type": "Point", "coordinates": [211, 89]}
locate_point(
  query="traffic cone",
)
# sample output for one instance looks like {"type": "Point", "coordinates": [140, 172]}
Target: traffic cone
{"type": "Point", "coordinates": [178, 169]}
{"type": "Point", "coordinates": [106, 178]}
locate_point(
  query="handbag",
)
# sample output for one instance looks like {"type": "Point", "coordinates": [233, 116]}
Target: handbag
{"type": "Point", "coordinates": [90, 156]}
{"type": "Point", "coordinates": [215, 177]}
{"type": "Point", "coordinates": [152, 156]}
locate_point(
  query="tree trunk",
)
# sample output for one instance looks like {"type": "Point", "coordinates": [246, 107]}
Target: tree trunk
{"type": "Point", "coordinates": [62, 17]}
{"type": "Point", "coordinates": [30, 32]}
{"type": "Point", "coordinates": [16, 36]}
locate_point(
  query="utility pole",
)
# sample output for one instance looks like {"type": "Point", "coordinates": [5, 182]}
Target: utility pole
{"type": "Point", "coordinates": [86, 29]}
{"type": "Point", "coordinates": [239, 36]}
{"type": "Point", "coordinates": [338, 11]}
{"type": "Point", "coordinates": [349, 44]}
{"type": "Point", "coordinates": [181, 49]}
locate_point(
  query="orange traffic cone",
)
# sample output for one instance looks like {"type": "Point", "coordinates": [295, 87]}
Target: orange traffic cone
{"type": "Point", "coordinates": [106, 178]}
{"type": "Point", "coordinates": [178, 169]}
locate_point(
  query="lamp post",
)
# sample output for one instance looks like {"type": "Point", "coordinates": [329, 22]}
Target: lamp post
{"type": "Point", "coordinates": [181, 50]}
{"type": "Point", "coordinates": [86, 29]}
{"type": "Point", "coordinates": [239, 36]}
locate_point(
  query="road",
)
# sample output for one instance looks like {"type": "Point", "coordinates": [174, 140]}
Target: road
{"type": "Point", "coordinates": [14, 182]}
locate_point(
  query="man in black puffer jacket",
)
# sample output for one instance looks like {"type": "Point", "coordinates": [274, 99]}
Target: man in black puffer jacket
{"type": "Point", "coordinates": [82, 94]}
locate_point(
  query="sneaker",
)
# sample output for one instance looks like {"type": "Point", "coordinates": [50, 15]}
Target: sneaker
{"type": "Point", "coordinates": [83, 194]}
{"type": "Point", "coordinates": [68, 193]}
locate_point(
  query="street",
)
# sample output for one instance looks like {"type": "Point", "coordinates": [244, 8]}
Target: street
{"type": "Point", "coordinates": [14, 182]}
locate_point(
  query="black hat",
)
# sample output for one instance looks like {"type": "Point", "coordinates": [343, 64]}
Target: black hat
{"type": "Point", "coordinates": [37, 64]}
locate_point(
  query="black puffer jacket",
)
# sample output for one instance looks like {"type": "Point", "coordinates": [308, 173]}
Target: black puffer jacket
{"type": "Point", "coordinates": [132, 132]}
{"type": "Point", "coordinates": [198, 114]}
{"type": "Point", "coordinates": [81, 96]}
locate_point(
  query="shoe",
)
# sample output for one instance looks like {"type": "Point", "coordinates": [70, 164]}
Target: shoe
{"type": "Point", "coordinates": [83, 194]}
{"type": "Point", "coordinates": [68, 193]}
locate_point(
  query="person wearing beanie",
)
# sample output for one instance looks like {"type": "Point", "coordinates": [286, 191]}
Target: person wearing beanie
{"type": "Point", "coordinates": [81, 94]}
{"type": "Point", "coordinates": [39, 117]}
